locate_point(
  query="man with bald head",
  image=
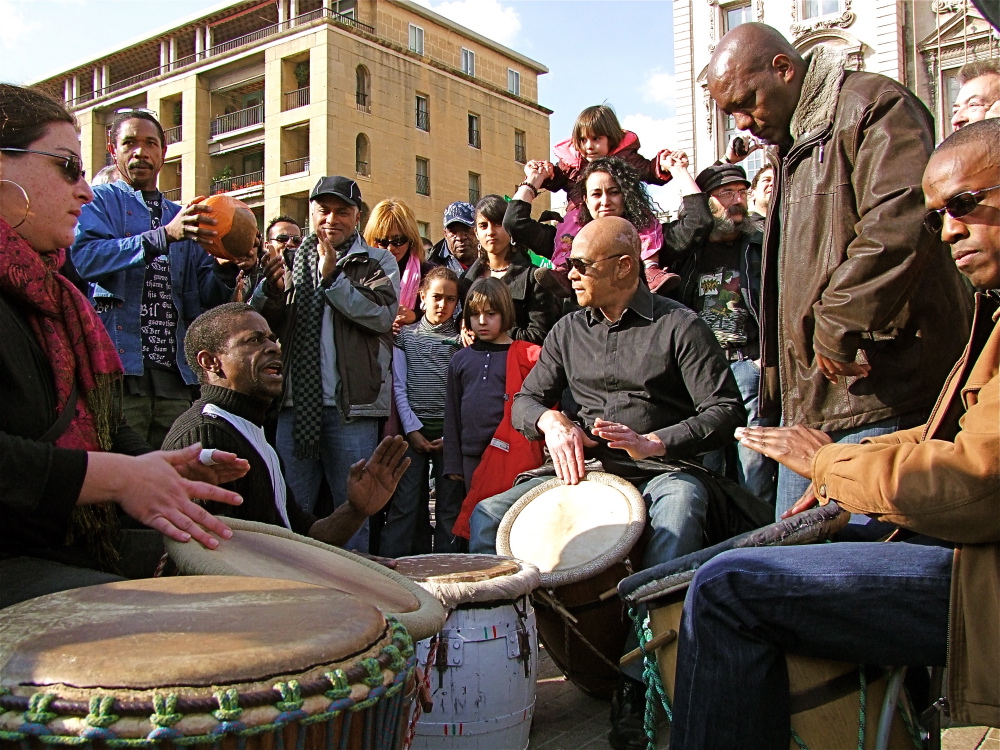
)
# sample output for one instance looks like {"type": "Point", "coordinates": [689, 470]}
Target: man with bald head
{"type": "Point", "coordinates": [920, 604]}
{"type": "Point", "coordinates": [653, 386]}
{"type": "Point", "coordinates": [861, 308]}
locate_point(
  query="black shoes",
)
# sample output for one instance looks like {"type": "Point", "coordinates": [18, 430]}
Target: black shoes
{"type": "Point", "coordinates": [628, 709]}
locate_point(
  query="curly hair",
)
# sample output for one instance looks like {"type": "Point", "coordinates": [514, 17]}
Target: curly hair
{"type": "Point", "coordinates": [639, 207]}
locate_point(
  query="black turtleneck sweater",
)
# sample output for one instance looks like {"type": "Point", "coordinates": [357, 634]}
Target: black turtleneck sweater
{"type": "Point", "coordinates": [212, 432]}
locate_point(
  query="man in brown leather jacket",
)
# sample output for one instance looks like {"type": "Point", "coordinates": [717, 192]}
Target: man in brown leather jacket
{"type": "Point", "coordinates": [887, 603]}
{"type": "Point", "coordinates": [862, 310]}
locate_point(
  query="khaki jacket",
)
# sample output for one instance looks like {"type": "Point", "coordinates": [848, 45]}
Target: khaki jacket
{"type": "Point", "coordinates": [943, 480]}
{"type": "Point", "coordinates": [849, 271]}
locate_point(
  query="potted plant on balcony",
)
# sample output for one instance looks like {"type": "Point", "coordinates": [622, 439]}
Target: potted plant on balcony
{"type": "Point", "coordinates": [302, 74]}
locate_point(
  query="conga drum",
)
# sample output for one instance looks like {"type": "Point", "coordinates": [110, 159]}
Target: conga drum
{"type": "Point", "coordinates": [825, 695]}
{"type": "Point", "coordinates": [582, 538]}
{"type": "Point", "coordinates": [266, 551]}
{"type": "Point", "coordinates": [482, 675]}
{"type": "Point", "coordinates": [204, 662]}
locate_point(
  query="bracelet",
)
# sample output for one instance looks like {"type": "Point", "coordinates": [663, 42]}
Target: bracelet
{"type": "Point", "coordinates": [530, 187]}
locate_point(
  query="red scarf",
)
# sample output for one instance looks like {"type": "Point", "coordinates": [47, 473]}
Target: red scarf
{"type": "Point", "coordinates": [500, 465]}
{"type": "Point", "coordinates": [70, 335]}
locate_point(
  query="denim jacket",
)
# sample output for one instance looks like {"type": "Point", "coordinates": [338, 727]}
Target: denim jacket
{"type": "Point", "coordinates": [113, 246]}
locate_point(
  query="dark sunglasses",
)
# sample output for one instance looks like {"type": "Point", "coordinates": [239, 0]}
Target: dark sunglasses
{"type": "Point", "coordinates": [394, 241]}
{"type": "Point", "coordinates": [288, 239]}
{"type": "Point", "coordinates": [956, 207]}
{"type": "Point", "coordinates": [580, 265]}
{"type": "Point", "coordinates": [72, 164]}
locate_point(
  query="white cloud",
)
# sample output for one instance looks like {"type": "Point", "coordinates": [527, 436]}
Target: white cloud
{"type": "Point", "coordinates": [659, 88]}
{"type": "Point", "coordinates": [490, 18]}
{"type": "Point", "coordinates": [14, 27]}
{"type": "Point", "coordinates": [655, 134]}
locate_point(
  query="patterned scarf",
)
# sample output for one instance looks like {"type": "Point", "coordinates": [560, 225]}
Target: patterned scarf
{"type": "Point", "coordinates": [73, 339]}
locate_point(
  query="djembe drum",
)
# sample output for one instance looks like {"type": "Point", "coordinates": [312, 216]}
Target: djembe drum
{"type": "Point", "coordinates": [485, 660]}
{"type": "Point", "coordinates": [204, 662]}
{"type": "Point", "coordinates": [825, 695]}
{"type": "Point", "coordinates": [263, 550]}
{"type": "Point", "coordinates": [582, 538]}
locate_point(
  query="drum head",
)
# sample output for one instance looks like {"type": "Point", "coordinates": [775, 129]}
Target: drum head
{"type": "Point", "coordinates": [462, 579]}
{"type": "Point", "coordinates": [572, 532]}
{"type": "Point", "coordinates": [263, 550]}
{"type": "Point", "coordinates": [182, 631]}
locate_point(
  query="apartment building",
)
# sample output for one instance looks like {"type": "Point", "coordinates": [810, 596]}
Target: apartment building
{"type": "Point", "coordinates": [259, 99]}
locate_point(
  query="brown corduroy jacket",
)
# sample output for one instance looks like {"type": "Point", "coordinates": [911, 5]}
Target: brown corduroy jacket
{"type": "Point", "coordinates": [943, 480]}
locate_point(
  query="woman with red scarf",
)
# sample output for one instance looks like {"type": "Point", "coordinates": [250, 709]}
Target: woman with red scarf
{"type": "Point", "coordinates": [67, 459]}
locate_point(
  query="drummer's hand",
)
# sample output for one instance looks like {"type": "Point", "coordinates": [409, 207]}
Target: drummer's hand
{"type": "Point", "coordinates": [807, 501]}
{"type": "Point", "coordinates": [371, 483]}
{"type": "Point", "coordinates": [386, 561]}
{"type": "Point", "coordinates": [625, 438]}
{"type": "Point", "coordinates": [228, 466]}
{"type": "Point", "coordinates": [792, 447]}
{"type": "Point", "coordinates": [565, 441]}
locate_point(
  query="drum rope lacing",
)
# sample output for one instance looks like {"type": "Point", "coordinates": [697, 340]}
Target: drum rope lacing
{"type": "Point", "coordinates": [423, 688]}
{"type": "Point", "coordinates": [550, 599]}
{"type": "Point", "coordinates": [402, 661]}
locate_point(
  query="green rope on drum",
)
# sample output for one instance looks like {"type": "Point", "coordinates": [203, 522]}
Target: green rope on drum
{"type": "Point", "coordinates": [165, 710]}
{"type": "Point", "coordinates": [799, 741]}
{"type": "Point", "coordinates": [398, 662]}
{"type": "Point", "coordinates": [400, 634]}
{"type": "Point", "coordinates": [374, 677]}
{"type": "Point", "coordinates": [38, 708]}
{"type": "Point", "coordinates": [904, 711]}
{"type": "Point", "coordinates": [862, 713]}
{"type": "Point", "coordinates": [651, 677]}
{"type": "Point", "coordinates": [341, 685]}
{"type": "Point", "coordinates": [291, 696]}
{"type": "Point", "coordinates": [100, 715]}
{"type": "Point", "coordinates": [229, 705]}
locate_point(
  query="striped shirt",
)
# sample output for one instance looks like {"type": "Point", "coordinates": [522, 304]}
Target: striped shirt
{"type": "Point", "coordinates": [425, 351]}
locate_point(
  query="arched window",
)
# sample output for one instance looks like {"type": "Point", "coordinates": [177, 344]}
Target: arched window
{"type": "Point", "coordinates": [363, 91]}
{"type": "Point", "coordinates": [362, 149]}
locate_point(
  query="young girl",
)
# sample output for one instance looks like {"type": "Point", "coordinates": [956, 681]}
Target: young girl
{"type": "Point", "coordinates": [535, 310]}
{"type": "Point", "coordinates": [597, 133]}
{"type": "Point", "coordinates": [419, 369]}
{"type": "Point", "coordinates": [481, 446]}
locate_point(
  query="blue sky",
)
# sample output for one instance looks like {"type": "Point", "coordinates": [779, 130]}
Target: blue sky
{"type": "Point", "coordinates": [614, 51]}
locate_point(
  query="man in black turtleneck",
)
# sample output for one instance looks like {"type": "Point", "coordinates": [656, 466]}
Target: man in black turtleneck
{"type": "Point", "coordinates": [238, 361]}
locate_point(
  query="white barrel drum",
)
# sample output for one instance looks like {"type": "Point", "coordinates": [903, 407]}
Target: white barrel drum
{"type": "Point", "coordinates": [482, 677]}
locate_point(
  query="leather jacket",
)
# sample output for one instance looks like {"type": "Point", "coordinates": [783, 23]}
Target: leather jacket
{"type": "Point", "coordinates": [849, 271]}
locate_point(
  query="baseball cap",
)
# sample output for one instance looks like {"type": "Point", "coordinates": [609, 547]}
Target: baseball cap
{"type": "Point", "coordinates": [461, 212]}
{"type": "Point", "coordinates": [718, 175]}
{"type": "Point", "coordinates": [341, 187]}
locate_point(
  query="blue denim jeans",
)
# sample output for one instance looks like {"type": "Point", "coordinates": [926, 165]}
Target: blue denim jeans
{"type": "Point", "coordinates": [862, 603]}
{"type": "Point", "coordinates": [791, 486]}
{"type": "Point", "coordinates": [406, 530]}
{"type": "Point", "coordinates": [341, 445]}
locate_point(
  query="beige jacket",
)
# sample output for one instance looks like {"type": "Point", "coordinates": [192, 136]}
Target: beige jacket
{"type": "Point", "coordinates": [943, 480]}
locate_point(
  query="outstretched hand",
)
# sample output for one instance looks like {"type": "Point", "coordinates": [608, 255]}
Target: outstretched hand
{"type": "Point", "coordinates": [228, 467]}
{"type": "Point", "coordinates": [371, 483]}
{"type": "Point", "coordinates": [624, 438]}
{"type": "Point", "coordinates": [793, 447]}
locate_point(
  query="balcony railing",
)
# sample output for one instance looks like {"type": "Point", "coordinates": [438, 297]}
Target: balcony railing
{"type": "Point", "coordinates": [241, 118]}
{"type": "Point", "coordinates": [173, 195]}
{"type": "Point", "coordinates": [239, 182]}
{"type": "Point", "coordinates": [294, 166]}
{"type": "Point", "coordinates": [297, 98]}
{"type": "Point", "coordinates": [224, 47]}
{"type": "Point", "coordinates": [364, 102]}
{"type": "Point", "coordinates": [363, 169]}
{"type": "Point", "coordinates": [423, 184]}
{"type": "Point", "coordinates": [173, 135]}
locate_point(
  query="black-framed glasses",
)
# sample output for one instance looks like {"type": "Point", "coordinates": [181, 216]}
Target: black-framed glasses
{"type": "Point", "coordinates": [580, 265]}
{"type": "Point", "coordinates": [398, 241]}
{"type": "Point", "coordinates": [293, 240]}
{"type": "Point", "coordinates": [956, 207]}
{"type": "Point", "coordinates": [72, 165]}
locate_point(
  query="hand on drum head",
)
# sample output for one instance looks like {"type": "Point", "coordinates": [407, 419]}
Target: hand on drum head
{"type": "Point", "coordinates": [624, 438]}
{"type": "Point", "coordinates": [793, 447]}
{"type": "Point", "coordinates": [565, 441]}
{"type": "Point", "coordinates": [371, 483]}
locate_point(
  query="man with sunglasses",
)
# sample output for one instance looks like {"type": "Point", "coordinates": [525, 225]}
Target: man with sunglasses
{"type": "Point", "coordinates": [653, 388]}
{"type": "Point", "coordinates": [880, 603]}
{"type": "Point", "coordinates": [855, 295]}
{"type": "Point", "coordinates": [149, 276]}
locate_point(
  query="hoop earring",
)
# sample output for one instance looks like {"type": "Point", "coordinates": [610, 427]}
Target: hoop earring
{"type": "Point", "coordinates": [27, 202]}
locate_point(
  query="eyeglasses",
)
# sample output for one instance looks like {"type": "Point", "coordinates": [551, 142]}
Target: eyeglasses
{"type": "Point", "coordinates": [956, 207]}
{"type": "Point", "coordinates": [580, 265]}
{"type": "Point", "coordinates": [293, 240]}
{"type": "Point", "coordinates": [730, 194]}
{"type": "Point", "coordinates": [394, 241]}
{"type": "Point", "coordinates": [72, 165]}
